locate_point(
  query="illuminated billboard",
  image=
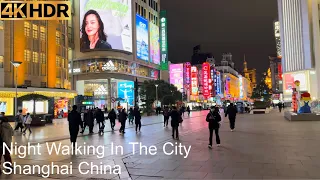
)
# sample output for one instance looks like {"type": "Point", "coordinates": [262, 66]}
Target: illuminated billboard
{"type": "Point", "coordinates": [241, 87]}
{"type": "Point", "coordinates": [126, 92]}
{"type": "Point", "coordinates": [290, 78]}
{"type": "Point", "coordinates": [154, 44]}
{"type": "Point", "coordinates": [187, 73]}
{"type": "Point", "coordinates": [105, 25]}
{"type": "Point", "coordinates": [194, 81]}
{"type": "Point", "coordinates": [176, 75]}
{"type": "Point", "coordinates": [205, 79]}
{"type": "Point", "coordinates": [142, 38]}
{"type": "Point", "coordinates": [163, 40]}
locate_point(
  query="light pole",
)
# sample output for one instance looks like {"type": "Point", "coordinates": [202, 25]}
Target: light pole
{"type": "Point", "coordinates": [16, 64]}
{"type": "Point", "coordinates": [157, 94]}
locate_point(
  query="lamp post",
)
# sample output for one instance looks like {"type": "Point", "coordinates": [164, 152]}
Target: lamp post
{"type": "Point", "coordinates": [157, 94]}
{"type": "Point", "coordinates": [16, 64]}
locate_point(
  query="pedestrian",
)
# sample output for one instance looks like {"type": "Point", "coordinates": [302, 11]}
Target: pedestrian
{"type": "Point", "coordinates": [175, 120]}
{"type": "Point", "coordinates": [27, 123]}
{"type": "Point", "coordinates": [188, 110]}
{"type": "Point", "coordinates": [84, 118]}
{"type": "Point", "coordinates": [19, 121]}
{"type": "Point", "coordinates": [214, 118]}
{"type": "Point", "coordinates": [280, 105]}
{"type": "Point", "coordinates": [166, 116]}
{"type": "Point", "coordinates": [131, 116]}
{"type": "Point", "coordinates": [137, 118]}
{"type": "Point", "coordinates": [123, 118]}
{"type": "Point", "coordinates": [90, 120]}
{"type": "Point", "coordinates": [232, 113]}
{"type": "Point", "coordinates": [6, 133]}
{"type": "Point", "coordinates": [100, 120]}
{"type": "Point", "coordinates": [112, 116]}
{"type": "Point", "coordinates": [74, 119]}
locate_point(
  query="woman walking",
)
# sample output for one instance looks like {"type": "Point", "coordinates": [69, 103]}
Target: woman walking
{"type": "Point", "coordinates": [214, 118]}
{"type": "Point", "coordinates": [131, 116]}
{"type": "Point", "coordinates": [123, 118]}
{"type": "Point", "coordinates": [27, 122]}
{"type": "Point", "coordinates": [175, 120]}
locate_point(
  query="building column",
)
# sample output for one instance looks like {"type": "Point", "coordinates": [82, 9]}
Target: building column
{"type": "Point", "coordinates": [109, 94]}
{"type": "Point", "coordinates": [51, 54]}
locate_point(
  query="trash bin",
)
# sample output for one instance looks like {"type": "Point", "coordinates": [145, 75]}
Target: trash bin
{"type": "Point", "coordinates": [48, 118]}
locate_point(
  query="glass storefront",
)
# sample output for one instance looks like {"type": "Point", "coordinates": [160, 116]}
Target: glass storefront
{"type": "Point", "coordinates": [6, 105]}
{"type": "Point", "coordinates": [114, 66]}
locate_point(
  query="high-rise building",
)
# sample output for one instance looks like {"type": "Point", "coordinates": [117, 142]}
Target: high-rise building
{"type": "Point", "coordinates": [277, 37]}
{"type": "Point", "coordinates": [124, 54]}
{"type": "Point", "coordinates": [300, 44]}
{"type": "Point", "coordinates": [42, 49]}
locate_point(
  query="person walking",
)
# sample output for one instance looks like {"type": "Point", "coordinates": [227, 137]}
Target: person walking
{"type": "Point", "coordinates": [175, 121]}
{"type": "Point", "coordinates": [137, 118]}
{"type": "Point", "coordinates": [19, 121]}
{"type": "Point", "coordinates": [280, 105]}
{"type": "Point", "coordinates": [166, 116]}
{"type": "Point", "coordinates": [188, 110]}
{"type": "Point", "coordinates": [27, 123]}
{"type": "Point", "coordinates": [112, 116]}
{"type": "Point", "coordinates": [232, 113]}
{"type": "Point", "coordinates": [85, 121]}
{"type": "Point", "coordinates": [90, 120]}
{"type": "Point", "coordinates": [100, 120]}
{"type": "Point", "coordinates": [214, 118]}
{"type": "Point", "coordinates": [74, 119]}
{"type": "Point", "coordinates": [6, 133]}
{"type": "Point", "coordinates": [131, 116]}
{"type": "Point", "coordinates": [123, 118]}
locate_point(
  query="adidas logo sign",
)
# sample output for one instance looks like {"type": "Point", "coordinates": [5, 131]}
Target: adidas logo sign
{"type": "Point", "coordinates": [109, 66]}
{"type": "Point", "coordinates": [100, 91]}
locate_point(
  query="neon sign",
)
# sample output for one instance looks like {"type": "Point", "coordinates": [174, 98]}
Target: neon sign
{"type": "Point", "coordinates": [194, 81]}
{"type": "Point", "coordinates": [205, 79]}
{"type": "Point", "coordinates": [187, 73]}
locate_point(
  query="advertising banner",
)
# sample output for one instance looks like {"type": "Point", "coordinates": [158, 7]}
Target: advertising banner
{"type": "Point", "coordinates": [205, 79]}
{"type": "Point", "coordinates": [241, 87]}
{"type": "Point", "coordinates": [142, 38]}
{"type": "Point", "coordinates": [213, 82]}
{"type": "Point", "coordinates": [176, 75]}
{"type": "Point", "coordinates": [163, 40]}
{"type": "Point", "coordinates": [187, 71]}
{"type": "Point", "coordinates": [154, 44]}
{"type": "Point", "coordinates": [126, 91]}
{"type": "Point", "coordinates": [194, 81]}
{"type": "Point", "coordinates": [105, 25]}
{"type": "Point", "coordinates": [218, 83]}
{"type": "Point", "coordinates": [290, 78]}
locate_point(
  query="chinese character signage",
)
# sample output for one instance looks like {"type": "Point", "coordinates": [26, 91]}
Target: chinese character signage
{"type": "Point", "coordinates": [241, 87]}
{"type": "Point", "coordinates": [205, 79]}
{"type": "Point", "coordinates": [163, 40]}
{"type": "Point", "coordinates": [176, 75]}
{"type": "Point", "coordinates": [187, 72]}
{"type": "Point", "coordinates": [217, 83]}
{"type": "Point", "coordinates": [194, 81]}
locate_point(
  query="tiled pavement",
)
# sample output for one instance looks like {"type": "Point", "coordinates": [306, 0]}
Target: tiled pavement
{"type": "Point", "coordinates": [262, 147]}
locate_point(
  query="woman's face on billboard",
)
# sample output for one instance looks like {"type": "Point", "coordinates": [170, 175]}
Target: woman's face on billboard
{"type": "Point", "coordinates": [92, 25]}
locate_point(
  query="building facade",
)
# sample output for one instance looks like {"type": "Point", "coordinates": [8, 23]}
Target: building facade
{"type": "Point", "coordinates": [300, 44]}
{"type": "Point", "coordinates": [250, 74]}
{"type": "Point", "coordinates": [130, 52]}
{"type": "Point", "coordinates": [42, 49]}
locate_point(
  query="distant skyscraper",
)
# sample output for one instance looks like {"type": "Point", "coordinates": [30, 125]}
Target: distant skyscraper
{"type": "Point", "coordinates": [278, 37]}
{"type": "Point", "coordinates": [300, 45]}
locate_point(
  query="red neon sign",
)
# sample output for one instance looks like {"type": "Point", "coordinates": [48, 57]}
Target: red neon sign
{"type": "Point", "coordinates": [194, 81]}
{"type": "Point", "coordinates": [206, 79]}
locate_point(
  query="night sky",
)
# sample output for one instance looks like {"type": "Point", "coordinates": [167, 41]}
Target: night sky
{"type": "Point", "coordinates": [236, 26]}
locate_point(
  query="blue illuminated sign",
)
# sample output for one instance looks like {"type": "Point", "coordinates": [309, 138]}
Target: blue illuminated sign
{"type": "Point", "coordinates": [126, 91]}
{"type": "Point", "coordinates": [142, 38]}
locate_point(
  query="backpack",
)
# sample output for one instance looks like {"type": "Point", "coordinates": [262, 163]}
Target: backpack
{"type": "Point", "coordinates": [211, 118]}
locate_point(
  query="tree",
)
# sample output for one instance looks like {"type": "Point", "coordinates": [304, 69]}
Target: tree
{"type": "Point", "coordinates": [167, 93]}
{"type": "Point", "coordinates": [262, 91]}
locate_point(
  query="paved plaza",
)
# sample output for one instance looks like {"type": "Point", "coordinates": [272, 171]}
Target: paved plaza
{"type": "Point", "coordinates": [262, 147]}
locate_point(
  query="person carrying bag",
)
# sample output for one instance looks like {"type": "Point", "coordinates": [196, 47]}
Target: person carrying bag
{"type": "Point", "coordinates": [214, 118]}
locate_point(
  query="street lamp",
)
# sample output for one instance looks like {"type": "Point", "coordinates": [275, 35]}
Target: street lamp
{"type": "Point", "coordinates": [16, 64]}
{"type": "Point", "coordinates": [157, 94]}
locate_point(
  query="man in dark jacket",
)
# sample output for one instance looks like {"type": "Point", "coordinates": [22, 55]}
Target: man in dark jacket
{"type": "Point", "coordinates": [175, 120]}
{"type": "Point", "coordinates": [100, 120]}
{"type": "Point", "coordinates": [137, 118]}
{"type": "Point", "coordinates": [214, 118]}
{"type": "Point", "coordinates": [122, 118]}
{"type": "Point", "coordinates": [112, 117]}
{"type": "Point", "coordinates": [166, 116]}
{"type": "Point", "coordinates": [232, 112]}
{"type": "Point", "coordinates": [74, 119]}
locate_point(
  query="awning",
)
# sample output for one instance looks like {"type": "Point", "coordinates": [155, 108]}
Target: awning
{"type": "Point", "coordinates": [11, 92]}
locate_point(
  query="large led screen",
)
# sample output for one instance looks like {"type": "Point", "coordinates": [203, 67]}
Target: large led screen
{"type": "Point", "coordinates": [154, 44]}
{"type": "Point", "coordinates": [142, 38]}
{"type": "Point", "coordinates": [126, 92]}
{"type": "Point", "coordinates": [176, 75]}
{"type": "Point", "coordinates": [105, 25]}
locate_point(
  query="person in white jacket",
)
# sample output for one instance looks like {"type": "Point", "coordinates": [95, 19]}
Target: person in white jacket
{"type": "Point", "coordinates": [27, 122]}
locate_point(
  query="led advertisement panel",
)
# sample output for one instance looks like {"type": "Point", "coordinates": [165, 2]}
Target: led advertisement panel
{"type": "Point", "coordinates": [142, 38]}
{"type": "Point", "coordinates": [187, 73]}
{"type": "Point", "coordinates": [105, 25]}
{"type": "Point", "coordinates": [154, 44]}
{"type": "Point", "coordinates": [163, 40]}
{"type": "Point", "coordinates": [206, 79]}
{"type": "Point", "coordinates": [176, 75]}
{"type": "Point", "coordinates": [126, 91]}
{"type": "Point", "coordinates": [194, 81]}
